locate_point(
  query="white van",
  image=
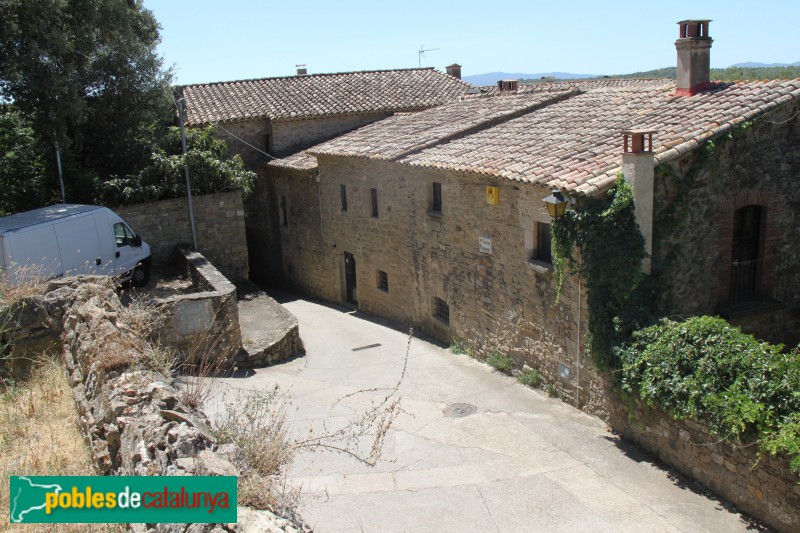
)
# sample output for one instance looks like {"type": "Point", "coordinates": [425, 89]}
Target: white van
{"type": "Point", "coordinates": [65, 240]}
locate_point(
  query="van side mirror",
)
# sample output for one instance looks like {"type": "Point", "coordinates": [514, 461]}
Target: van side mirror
{"type": "Point", "coordinates": [137, 241]}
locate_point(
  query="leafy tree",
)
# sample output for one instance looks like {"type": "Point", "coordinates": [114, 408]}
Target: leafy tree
{"type": "Point", "coordinates": [86, 72]}
{"type": "Point", "coordinates": [24, 180]}
{"type": "Point", "coordinates": [210, 169]}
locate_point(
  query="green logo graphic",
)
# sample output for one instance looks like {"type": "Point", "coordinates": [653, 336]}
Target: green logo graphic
{"type": "Point", "coordinates": [122, 499]}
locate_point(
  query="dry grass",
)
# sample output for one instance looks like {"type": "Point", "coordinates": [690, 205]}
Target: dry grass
{"type": "Point", "coordinates": [30, 282]}
{"type": "Point", "coordinates": [39, 436]}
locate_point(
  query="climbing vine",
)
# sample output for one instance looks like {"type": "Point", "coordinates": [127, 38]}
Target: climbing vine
{"type": "Point", "coordinates": [611, 252]}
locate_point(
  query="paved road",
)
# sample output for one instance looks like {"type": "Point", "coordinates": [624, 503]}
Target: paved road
{"type": "Point", "coordinates": [522, 462]}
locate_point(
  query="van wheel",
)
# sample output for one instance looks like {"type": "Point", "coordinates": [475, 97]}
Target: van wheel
{"type": "Point", "coordinates": [140, 276]}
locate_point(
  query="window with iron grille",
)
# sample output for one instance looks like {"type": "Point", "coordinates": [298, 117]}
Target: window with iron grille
{"type": "Point", "coordinates": [544, 244]}
{"type": "Point", "coordinates": [343, 195]}
{"type": "Point", "coordinates": [436, 204]}
{"type": "Point", "coordinates": [374, 197]}
{"type": "Point", "coordinates": [441, 310]}
{"type": "Point", "coordinates": [383, 281]}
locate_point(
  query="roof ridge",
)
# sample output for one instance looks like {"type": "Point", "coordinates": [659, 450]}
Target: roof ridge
{"type": "Point", "coordinates": [305, 76]}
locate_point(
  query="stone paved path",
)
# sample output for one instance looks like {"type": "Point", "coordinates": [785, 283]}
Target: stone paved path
{"type": "Point", "coordinates": [521, 462]}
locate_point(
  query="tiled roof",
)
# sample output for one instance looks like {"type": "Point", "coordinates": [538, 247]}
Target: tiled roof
{"type": "Point", "coordinates": [321, 95]}
{"type": "Point", "coordinates": [575, 143]}
{"type": "Point", "coordinates": [401, 135]}
{"type": "Point", "coordinates": [299, 161]}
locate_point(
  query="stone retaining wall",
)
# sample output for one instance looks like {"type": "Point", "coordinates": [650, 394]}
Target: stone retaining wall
{"type": "Point", "coordinates": [219, 222]}
{"type": "Point", "coordinates": [135, 421]}
{"type": "Point", "coordinates": [203, 323]}
{"type": "Point", "coordinates": [764, 487]}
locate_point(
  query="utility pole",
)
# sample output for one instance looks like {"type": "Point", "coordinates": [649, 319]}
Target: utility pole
{"type": "Point", "coordinates": [181, 110]}
{"type": "Point", "coordinates": [58, 166]}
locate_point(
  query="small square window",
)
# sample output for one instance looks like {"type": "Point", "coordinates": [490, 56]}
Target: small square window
{"type": "Point", "coordinates": [441, 310]}
{"type": "Point", "coordinates": [383, 281]}
{"type": "Point", "coordinates": [343, 196]}
{"type": "Point", "coordinates": [543, 251]}
{"type": "Point", "coordinates": [374, 198]}
{"type": "Point", "coordinates": [436, 203]}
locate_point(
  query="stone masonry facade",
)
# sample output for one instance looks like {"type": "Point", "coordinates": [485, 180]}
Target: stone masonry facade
{"type": "Point", "coordinates": [696, 198]}
{"type": "Point", "coordinates": [410, 259]}
{"type": "Point", "coordinates": [279, 138]}
{"type": "Point", "coordinates": [219, 222]}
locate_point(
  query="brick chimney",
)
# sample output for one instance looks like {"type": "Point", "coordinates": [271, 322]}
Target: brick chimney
{"type": "Point", "coordinates": [694, 57]}
{"type": "Point", "coordinates": [507, 85]}
{"type": "Point", "coordinates": [454, 70]}
{"type": "Point", "coordinates": [638, 167]}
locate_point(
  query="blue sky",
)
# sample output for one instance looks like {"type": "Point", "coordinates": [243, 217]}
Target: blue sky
{"type": "Point", "coordinates": [209, 41]}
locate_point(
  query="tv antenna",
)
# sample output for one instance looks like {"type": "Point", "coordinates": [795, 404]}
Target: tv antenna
{"type": "Point", "coordinates": [421, 53]}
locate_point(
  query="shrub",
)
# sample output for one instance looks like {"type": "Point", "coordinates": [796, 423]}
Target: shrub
{"type": "Point", "coordinates": [706, 369]}
{"type": "Point", "coordinates": [457, 348]}
{"type": "Point", "coordinates": [500, 362]}
{"type": "Point", "coordinates": [530, 378]}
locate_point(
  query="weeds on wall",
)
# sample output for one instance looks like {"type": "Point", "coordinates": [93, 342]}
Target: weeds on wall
{"type": "Point", "coordinates": [706, 369]}
{"type": "Point", "coordinates": [620, 296]}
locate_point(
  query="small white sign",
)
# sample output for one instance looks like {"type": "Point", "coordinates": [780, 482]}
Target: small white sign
{"type": "Point", "coordinates": [485, 245]}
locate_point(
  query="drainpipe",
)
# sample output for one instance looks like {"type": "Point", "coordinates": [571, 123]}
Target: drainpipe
{"type": "Point", "coordinates": [181, 111]}
{"type": "Point", "coordinates": [578, 349]}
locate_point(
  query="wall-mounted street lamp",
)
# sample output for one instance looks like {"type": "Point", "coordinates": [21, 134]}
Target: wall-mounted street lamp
{"type": "Point", "coordinates": [556, 204]}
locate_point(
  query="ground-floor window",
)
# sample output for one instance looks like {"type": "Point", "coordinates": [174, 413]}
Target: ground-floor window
{"type": "Point", "coordinates": [383, 281]}
{"type": "Point", "coordinates": [441, 310]}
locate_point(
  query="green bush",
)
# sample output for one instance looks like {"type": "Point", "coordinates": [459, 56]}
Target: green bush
{"type": "Point", "coordinates": [706, 369]}
{"type": "Point", "coordinates": [500, 362]}
{"type": "Point", "coordinates": [530, 378]}
{"type": "Point", "coordinates": [457, 348]}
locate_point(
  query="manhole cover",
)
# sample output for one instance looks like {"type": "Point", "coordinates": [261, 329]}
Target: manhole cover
{"type": "Point", "coordinates": [457, 410]}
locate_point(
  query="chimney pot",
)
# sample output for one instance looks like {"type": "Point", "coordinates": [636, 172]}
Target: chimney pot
{"type": "Point", "coordinates": [507, 85]}
{"type": "Point", "coordinates": [454, 70]}
{"type": "Point", "coordinates": [637, 141]}
{"type": "Point", "coordinates": [694, 57]}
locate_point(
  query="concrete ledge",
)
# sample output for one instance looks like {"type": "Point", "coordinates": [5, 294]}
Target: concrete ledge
{"type": "Point", "coordinates": [270, 332]}
{"type": "Point", "coordinates": [203, 323]}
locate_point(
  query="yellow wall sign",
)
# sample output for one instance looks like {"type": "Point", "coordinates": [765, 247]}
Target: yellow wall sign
{"type": "Point", "coordinates": [492, 195]}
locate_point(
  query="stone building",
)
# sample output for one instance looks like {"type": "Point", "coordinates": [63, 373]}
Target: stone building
{"type": "Point", "coordinates": [431, 214]}
{"type": "Point", "coordinates": [435, 218]}
{"type": "Point", "coordinates": [266, 118]}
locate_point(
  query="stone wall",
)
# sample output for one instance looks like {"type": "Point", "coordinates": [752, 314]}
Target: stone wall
{"type": "Point", "coordinates": [289, 136]}
{"type": "Point", "coordinates": [765, 487]}
{"type": "Point", "coordinates": [134, 420]}
{"type": "Point", "coordinates": [695, 202]}
{"type": "Point", "coordinates": [219, 222]}
{"type": "Point", "coordinates": [497, 299]}
{"type": "Point", "coordinates": [203, 324]}
{"type": "Point", "coordinates": [285, 136]}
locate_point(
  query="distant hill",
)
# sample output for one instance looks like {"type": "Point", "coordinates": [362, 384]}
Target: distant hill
{"type": "Point", "coordinates": [764, 65]}
{"type": "Point", "coordinates": [788, 72]}
{"type": "Point", "coordinates": [492, 77]}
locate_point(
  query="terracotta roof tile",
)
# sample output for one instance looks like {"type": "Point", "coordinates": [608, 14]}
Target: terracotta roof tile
{"type": "Point", "coordinates": [321, 95]}
{"type": "Point", "coordinates": [298, 161]}
{"type": "Point", "coordinates": [402, 135]}
{"type": "Point", "coordinates": [571, 140]}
